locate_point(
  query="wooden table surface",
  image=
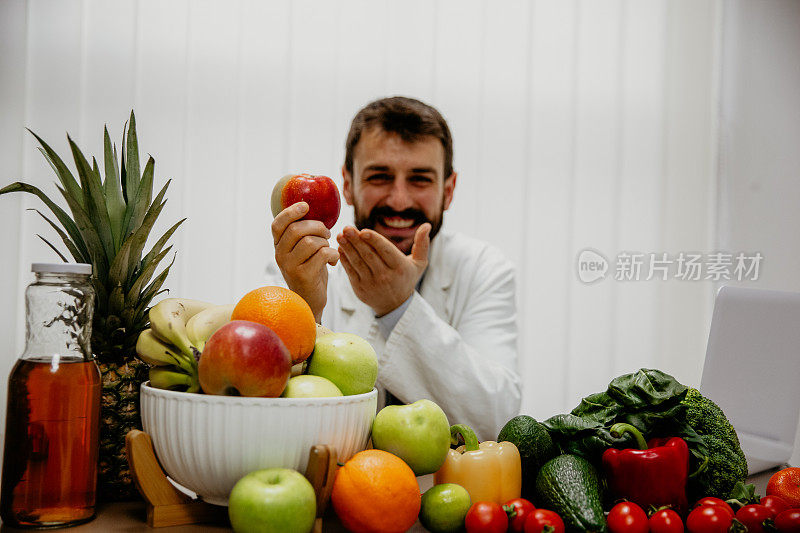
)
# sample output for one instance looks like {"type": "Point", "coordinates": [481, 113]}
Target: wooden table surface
{"type": "Point", "coordinates": [130, 516]}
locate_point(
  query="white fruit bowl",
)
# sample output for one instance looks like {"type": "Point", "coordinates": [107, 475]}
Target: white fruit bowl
{"type": "Point", "coordinates": [207, 443]}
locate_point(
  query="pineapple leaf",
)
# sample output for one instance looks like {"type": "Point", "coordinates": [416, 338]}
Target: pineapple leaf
{"type": "Point", "coordinates": [78, 240]}
{"type": "Point", "coordinates": [99, 177]}
{"type": "Point", "coordinates": [127, 260]}
{"type": "Point", "coordinates": [123, 167]}
{"type": "Point", "coordinates": [90, 237]}
{"type": "Point", "coordinates": [135, 321]}
{"type": "Point", "coordinates": [146, 184]}
{"type": "Point", "coordinates": [144, 276]}
{"type": "Point", "coordinates": [68, 224]}
{"type": "Point", "coordinates": [145, 227]}
{"type": "Point", "coordinates": [131, 147]}
{"type": "Point", "coordinates": [118, 271]}
{"type": "Point", "coordinates": [101, 299]}
{"type": "Point", "coordinates": [151, 290]}
{"type": "Point", "coordinates": [48, 243]}
{"type": "Point", "coordinates": [116, 300]}
{"type": "Point", "coordinates": [112, 187]}
{"type": "Point", "coordinates": [136, 210]}
{"type": "Point", "coordinates": [64, 175]}
{"type": "Point", "coordinates": [156, 249]}
{"type": "Point", "coordinates": [150, 262]}
{"type": "Point", "coordinates": [130, 254]}
{"type": "Point", "coordinates": [93, 200]}
{"type": "Point", "coordinates": [76, 254]}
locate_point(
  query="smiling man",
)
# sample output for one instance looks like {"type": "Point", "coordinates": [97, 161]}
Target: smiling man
{"type": "Point", "coordinates": [438, 307]}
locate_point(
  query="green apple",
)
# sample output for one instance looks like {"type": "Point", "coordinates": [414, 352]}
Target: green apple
{"type": "Point", "coordinates": [310, 387]}
{"type": "Point", "coordinates": [275, 500]}
{"type": "Point", "coordinates": [347, 360]}
{"type": "Point", "coordinates": [444, 508]}
{"type": "Point", "coordinates": [418, 433]}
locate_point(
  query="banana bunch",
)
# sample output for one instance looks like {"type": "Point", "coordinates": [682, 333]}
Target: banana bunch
{"type": "Point", "coordinates": [179, 329]}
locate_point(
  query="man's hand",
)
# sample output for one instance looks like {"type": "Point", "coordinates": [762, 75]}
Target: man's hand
{"type": "Point", "coordinates": [382, 276]}
{"type": "Point", "coordinates": [302, 251]}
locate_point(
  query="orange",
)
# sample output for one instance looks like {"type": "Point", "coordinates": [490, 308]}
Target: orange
{"type": "Point", "coordinates": [376, 491]}
{"type": "Point", "coordinates": [786, 484]}
{"type": "Point", "coordinates": [285, 313]}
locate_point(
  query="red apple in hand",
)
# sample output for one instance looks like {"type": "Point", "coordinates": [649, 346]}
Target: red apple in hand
{"type": "Point", "coordinates": [319, 192]}
{"type": "Point", "coordinates": [244, 359]}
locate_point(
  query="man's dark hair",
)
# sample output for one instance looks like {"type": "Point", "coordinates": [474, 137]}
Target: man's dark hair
{"type": "Point", "coordinates": [407, 117]}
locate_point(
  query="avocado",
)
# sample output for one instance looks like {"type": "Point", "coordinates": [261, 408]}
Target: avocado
{"type": "Point", "coordinates": [535, 447]}
{"type": "Point", "coordinates": [569, 485]}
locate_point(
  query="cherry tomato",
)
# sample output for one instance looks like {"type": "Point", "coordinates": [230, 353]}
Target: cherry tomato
{"type": "Point", "coordinates": [710, 500]}
{"type": "Point", "coordinates": [486, 517]}
{"type": "Point", "coordinates": [775, 503]}
{"type": "Point", "coordinates": [666, 521]}
{"type": "Point", "coordinates": [539, 518]}
{"type": "Point", "coordinates": [788, 521]}
{"type": "Point", "coordinates": [709, 519]}
{"type": "Point", "coordinates": [627, 517]}
{"type": "Point", "coordinates": [521, 508]}
{"type": "Point", "coordinates": [753, 517]}
{"type": "Point", "coordinates": [785, 483]}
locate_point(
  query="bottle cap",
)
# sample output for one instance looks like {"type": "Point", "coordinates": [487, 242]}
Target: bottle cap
{"type": "Point", "coordinates": [62, 268]}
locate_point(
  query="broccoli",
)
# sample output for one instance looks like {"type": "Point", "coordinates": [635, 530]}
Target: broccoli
{"type": "Point", "coordinates": [726, 462]}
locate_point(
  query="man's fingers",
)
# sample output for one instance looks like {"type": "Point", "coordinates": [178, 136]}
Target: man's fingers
{"type": "Point", "coordinates": [353, 257]}
{"type": "Point", "coordinates": [367, 253]}
{"type": "Point", "coordinates": [422, 243]}
{"type": "Point", "coordinates": [331, 255]}
{"type": "Point", "coordinates": [291, 214]}
{"type": "Point", "coordinates": [306, 247]}
{"type": "Point", "coordinates": [320, 258]}
{"type": "Point", "coordinates": [383, 247]}
{"type": "Point", "coordinates": [348, 268]}
{"type": "Point", "coordinates": [297, 231]}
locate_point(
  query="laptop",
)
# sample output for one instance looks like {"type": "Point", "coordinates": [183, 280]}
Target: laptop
{"type": "Point", "coordinates": [752, 370]}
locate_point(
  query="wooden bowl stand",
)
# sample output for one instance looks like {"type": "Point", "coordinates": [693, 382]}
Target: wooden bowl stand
{"type": "Point", "coordinates": [168, 506]}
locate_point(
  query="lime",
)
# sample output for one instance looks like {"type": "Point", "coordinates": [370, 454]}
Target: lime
{"type": "Point", "coordinates": [444, 508]}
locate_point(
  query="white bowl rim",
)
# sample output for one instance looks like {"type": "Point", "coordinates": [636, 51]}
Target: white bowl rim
{"type": "Point", "coordinates": [255, 400]}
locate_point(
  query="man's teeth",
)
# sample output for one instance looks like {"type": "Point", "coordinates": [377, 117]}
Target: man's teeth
{"type": "Point", "coordinates": [398, 223]}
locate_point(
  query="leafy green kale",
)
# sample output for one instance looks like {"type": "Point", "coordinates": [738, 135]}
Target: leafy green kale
{"type": "Point", "coordinates": [659, 406]}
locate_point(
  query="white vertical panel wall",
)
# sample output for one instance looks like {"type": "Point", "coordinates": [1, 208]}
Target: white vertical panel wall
{"type": "Point", "coordinates": [577, 124]}
{"type": "Point", "coordinates": [759, 135]}
{"type": "Point", "coordinates": [12, 97]}
{"type": "Point", "coordinates": [595, 204]}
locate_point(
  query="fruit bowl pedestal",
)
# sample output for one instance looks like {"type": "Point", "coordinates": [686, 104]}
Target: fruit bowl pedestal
{"type": "Point", "coordinates": [167, 506]}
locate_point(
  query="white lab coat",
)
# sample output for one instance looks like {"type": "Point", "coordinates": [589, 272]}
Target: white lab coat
{"type": "Point", "coordinates": [456, 343]}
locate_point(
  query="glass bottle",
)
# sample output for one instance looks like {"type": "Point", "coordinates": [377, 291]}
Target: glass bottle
{"type": "Point", "coordinates": [53, 410]}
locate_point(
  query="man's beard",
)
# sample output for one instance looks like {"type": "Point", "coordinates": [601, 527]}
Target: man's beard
{"type": "Point", "coordinates": [371, 220]}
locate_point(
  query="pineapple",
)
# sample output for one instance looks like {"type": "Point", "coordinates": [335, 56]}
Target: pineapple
{"type": "Point", "coordinates": [111, 220]}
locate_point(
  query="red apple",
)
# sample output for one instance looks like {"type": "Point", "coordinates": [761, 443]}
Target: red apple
{"type": "Point", "coordinates": [319, 192]}
{"type": "Point", "coordinates": [244, 359]}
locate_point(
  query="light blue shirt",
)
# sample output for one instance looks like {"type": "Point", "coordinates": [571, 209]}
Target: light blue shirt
{"type": "Point", "coordinates": [388, 321]}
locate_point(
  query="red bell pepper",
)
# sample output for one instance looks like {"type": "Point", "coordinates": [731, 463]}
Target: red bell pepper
{"type": "Point", "coordinates": [654, 475]}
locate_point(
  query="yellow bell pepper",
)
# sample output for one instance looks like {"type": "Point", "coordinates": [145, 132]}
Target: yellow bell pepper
{"type": "Point", "coordinates": [490, 471]}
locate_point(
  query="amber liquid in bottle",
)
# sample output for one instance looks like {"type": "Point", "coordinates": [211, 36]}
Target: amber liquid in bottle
{"type": "Point", "coordinates": [50, 456]}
